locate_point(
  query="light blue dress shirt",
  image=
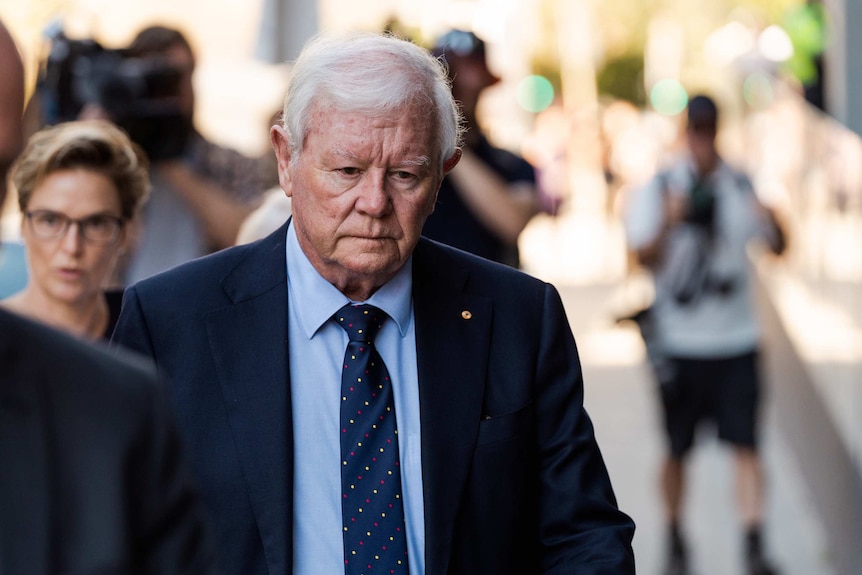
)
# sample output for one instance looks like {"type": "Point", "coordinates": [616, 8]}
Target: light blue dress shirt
{"type": "Point", "coordinates": [316, 352]}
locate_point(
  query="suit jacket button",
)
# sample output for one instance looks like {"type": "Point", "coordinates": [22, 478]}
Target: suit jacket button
{"type": "Point", "coordinates": [466, 314]}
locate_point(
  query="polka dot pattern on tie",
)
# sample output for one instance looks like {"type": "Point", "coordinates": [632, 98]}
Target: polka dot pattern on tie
{"type": "Point", "coordinates": [374, 532]}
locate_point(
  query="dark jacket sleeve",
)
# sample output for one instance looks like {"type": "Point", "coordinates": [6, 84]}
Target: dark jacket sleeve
{"type": "Point", "coordinates": [581, 528]}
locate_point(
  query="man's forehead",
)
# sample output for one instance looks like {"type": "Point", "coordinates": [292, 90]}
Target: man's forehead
{"type": "Point", "coordinates": [369, 151]}
{"type": "Point", "coordinates": [359, 136]}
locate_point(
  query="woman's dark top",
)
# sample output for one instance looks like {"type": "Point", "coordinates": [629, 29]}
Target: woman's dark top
{"type": "Point", "coordinates": [114, 298]}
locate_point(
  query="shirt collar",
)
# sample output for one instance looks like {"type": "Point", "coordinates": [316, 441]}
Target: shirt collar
{"type": "Point", "coordinates": [320, 299]}
{"type": "Point", "coordinates": [691, 167]}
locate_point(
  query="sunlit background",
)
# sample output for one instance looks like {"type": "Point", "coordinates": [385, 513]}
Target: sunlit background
{"type": "Point", "coordinates": [592, 93]}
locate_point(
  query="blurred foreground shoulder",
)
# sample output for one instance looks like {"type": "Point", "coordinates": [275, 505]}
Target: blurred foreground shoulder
{"type": "Point", "coordinates": [93, 447]}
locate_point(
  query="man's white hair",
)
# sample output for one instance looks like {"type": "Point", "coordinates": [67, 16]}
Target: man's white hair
{"type": "Point", "coordinates": [373, 74]}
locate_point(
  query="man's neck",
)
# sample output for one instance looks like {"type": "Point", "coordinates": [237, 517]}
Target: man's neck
{"type": "Point", "coordinates": [705, 166]}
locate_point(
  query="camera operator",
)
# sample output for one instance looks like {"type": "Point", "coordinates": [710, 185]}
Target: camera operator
{"type": "Point", "coordinates": [201, 192]}
{"type": "Point", "coordinates": [489, 198]}
{"type": "Point", "coordinates": [690, 227]}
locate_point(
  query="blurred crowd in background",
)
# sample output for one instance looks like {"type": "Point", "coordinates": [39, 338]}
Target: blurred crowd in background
{"type": "Point", "coordinates": [590, 93]}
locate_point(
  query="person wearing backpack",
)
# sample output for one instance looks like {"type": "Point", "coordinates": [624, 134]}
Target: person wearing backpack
{"type": "Point", "coordinates": [691, 227]}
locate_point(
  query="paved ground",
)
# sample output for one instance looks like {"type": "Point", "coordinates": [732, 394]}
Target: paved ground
{"type": "Point", "coordinates": [619, 396]}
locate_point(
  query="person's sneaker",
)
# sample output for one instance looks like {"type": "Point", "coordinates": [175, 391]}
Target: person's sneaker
{"type": "Point", "coordinates": [757, 565]}
{"type": "Point", "coordinates": [755, 560]}
{"type": "Point", "coordinates": [677, 561]}
{"type": "Point", "coordinates": [677, 565]}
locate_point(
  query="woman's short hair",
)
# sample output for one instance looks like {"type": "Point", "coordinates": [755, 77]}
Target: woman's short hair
{"type": "Point", "coordinates": [94, 145]}
{"type": "Point", "coordinates": [373, 74]}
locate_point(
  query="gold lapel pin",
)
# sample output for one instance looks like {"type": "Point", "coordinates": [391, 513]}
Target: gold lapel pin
{"type": "Point", "coordinates": [466, 314]}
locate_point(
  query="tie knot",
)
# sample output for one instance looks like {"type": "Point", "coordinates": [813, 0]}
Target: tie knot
{"type": "Point", "coordinates": [361, 322]}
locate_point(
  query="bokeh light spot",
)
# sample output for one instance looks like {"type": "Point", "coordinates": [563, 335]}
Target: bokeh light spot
{"type": "Point", "coordinates": [775, 44]}
{"type": "Point", "coordinates": [757, 90]}
{"type": "Point", "coordinates": [534, 93]}
{"type": "Point", "coordinates": [668, 97]}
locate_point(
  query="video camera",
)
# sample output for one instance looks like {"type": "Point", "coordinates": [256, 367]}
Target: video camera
{"type": "Point", "coordinates": [701, 205]}
{"type": "Point", "coordinates": [138, 94]}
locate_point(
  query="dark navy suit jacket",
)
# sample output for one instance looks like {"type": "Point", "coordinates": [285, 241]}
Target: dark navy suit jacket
{"type": "Point", "coordinates": [514, 482]}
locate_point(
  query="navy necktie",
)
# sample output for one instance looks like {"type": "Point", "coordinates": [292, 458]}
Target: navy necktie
{"type": "Point", "coordinates": [372, 508]}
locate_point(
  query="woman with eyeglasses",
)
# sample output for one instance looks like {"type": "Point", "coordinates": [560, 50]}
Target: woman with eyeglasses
{"type": "Point", "coordinates": [79, 185]}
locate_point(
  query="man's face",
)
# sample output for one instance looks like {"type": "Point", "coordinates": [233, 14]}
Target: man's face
{"type": "Point", "coordinates": [361, 190]}
{"type": "Point", "coordinates": [701, 144]}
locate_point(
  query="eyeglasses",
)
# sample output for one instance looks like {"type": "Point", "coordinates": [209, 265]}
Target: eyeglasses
{"type": "Point", "coordinates": [98, 229]}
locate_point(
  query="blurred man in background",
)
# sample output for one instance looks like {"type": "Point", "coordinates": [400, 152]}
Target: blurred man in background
{"type": "Point", "coordinates": [202, 192]}
{"type": "Point", "coordinates": [691, 226]}
{"type": "Point", "coordinates": [488, 199]}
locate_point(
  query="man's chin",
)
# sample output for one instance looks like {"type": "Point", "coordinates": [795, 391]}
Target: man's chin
{"type": "Point", "coordinates": [369, 267]}
{"type": "Point", "coordinates": [373, 264]}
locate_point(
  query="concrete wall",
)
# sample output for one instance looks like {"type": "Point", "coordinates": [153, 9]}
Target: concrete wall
{"type": "Point", "coordinates": [843, 67]}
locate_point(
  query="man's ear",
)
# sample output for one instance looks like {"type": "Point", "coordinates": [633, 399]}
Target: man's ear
{"type": "Point", "coordinates": [452, 161]}
{"type": "Point", "coordinates": [281, 144]}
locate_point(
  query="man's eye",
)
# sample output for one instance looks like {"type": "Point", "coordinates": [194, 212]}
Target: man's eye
{"type": "Point", "coordinates": [349, 171]}
{"type": "Point", "coordinates": [402, 175]}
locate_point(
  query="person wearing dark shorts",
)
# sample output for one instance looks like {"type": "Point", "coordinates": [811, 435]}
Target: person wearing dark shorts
{"type": "Point", "coordinates": [691, 227]}
{"type": "Point", "coordinates": [724, 391]}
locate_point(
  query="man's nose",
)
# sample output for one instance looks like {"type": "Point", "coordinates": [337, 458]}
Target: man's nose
{"type": "Point", "coordinates": [374, 196]}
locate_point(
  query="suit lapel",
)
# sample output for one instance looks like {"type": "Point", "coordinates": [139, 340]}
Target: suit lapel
{"type": "Point", "coordinates": [452, 331]}
{"type": "Point", "coordinates": [25, 476]}
{"type": "Point", "coordinates": [249, 345]}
